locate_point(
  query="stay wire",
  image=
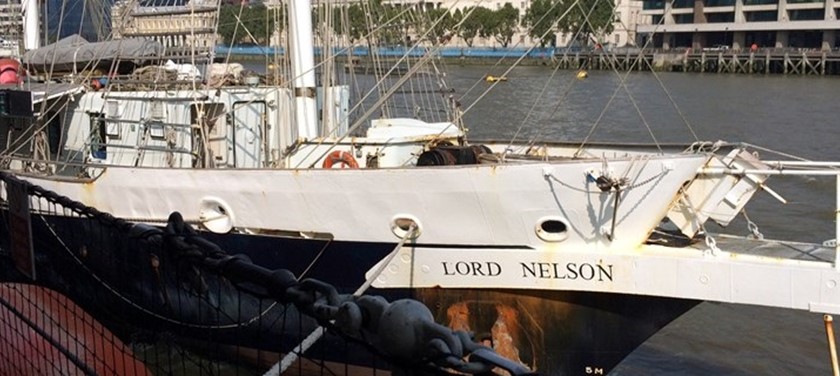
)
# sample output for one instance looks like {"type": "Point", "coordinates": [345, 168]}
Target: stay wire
{"type": "Point", "coordinates": [560, 102]}
{"type": "Point", "coordinates": [622, 84]}
{"type": "Point", "coordinates": [519, 60]}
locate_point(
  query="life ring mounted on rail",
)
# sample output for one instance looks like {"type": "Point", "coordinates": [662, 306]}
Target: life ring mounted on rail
{"type": "Point", "coordinates": [341, 157]}
{"type": "Point", "coordinates": [10, 71]}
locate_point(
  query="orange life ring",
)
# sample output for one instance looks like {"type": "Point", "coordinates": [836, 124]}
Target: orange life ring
{"type": "Point", "coordinates": [9, 71]}
{"type": "Point", "coordinates": [339, 156]}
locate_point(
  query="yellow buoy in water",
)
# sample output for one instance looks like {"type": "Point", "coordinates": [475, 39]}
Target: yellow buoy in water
{"type": "Point", "coordinates": [582, 74]}
{"type": "Point", "coordinates": [494, 78]}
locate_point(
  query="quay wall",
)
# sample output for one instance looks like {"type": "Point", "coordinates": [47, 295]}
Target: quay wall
{"type": "Point", "coordinates": [760, 61]}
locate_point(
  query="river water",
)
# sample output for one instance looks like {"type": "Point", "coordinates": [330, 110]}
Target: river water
{"type": "Point", "coordinates": [796, 115]}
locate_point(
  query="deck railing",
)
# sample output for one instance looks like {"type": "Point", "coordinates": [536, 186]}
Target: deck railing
{"type": "Point", "coordinates": [797, 168]}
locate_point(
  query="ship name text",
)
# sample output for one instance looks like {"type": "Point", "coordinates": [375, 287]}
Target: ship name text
{"type": "Point", "coordinates": [542, 270]}
{"type": "Point", "coordinates": [571, 270]}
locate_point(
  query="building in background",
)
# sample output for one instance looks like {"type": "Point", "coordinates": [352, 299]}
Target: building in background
{"type": "Point", "coordinates": [11, 20]}
{"type": "Point", "coordinates": [11, 28]}
{"type": "Point", "coordinates": [738, 24]}
{"type": "Point", "coordinates": [62, 18]}
{"type": "Point", "coordinates": [627, 17]}
{"type": "Point", "coordinates": [182, 28]}
{"type": "Point", "coordinates": [520, 37]}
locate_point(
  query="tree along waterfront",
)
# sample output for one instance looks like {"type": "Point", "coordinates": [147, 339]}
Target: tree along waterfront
{"type": "Point", "coordinates": [397, 24]}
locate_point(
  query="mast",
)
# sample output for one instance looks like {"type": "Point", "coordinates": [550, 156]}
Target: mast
{"type": "Point", "coordinates": [303, 67]}
{"type": "Point", "coordinates": [31, 24]}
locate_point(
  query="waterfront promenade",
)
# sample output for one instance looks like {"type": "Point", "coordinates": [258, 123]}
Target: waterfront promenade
{"type": "Point", "coordinates": [787, 61]}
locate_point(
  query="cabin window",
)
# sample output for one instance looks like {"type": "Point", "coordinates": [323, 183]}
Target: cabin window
{"type": "Point", "coordinates": [114, 111]}
{"type": "Point", "coordinates": [157, 131]}
{"type": "Point", "coordinates": [158, 111]}
{"type": "Point", "coordinates": [98, 139]}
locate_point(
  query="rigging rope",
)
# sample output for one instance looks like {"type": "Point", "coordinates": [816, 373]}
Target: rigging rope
{"type": "Point", "coordinates": [562, 99]}
{"type": "Point", "coordinates": [622, 84]}
{"type": "Point", "coordinates": [387, 95]}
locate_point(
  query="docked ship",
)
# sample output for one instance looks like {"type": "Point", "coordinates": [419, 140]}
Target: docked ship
{"type": "Point", "coordinates": [565, 256]}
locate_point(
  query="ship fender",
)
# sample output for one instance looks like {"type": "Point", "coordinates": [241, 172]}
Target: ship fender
{"type": "Point", "coordinates": [342, 158]}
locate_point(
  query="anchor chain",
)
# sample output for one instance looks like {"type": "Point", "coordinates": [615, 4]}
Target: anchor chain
{"type": "Point", "coordinates": [403, 330]}
{"type": "Point", "coordinates": [711, 243]}
{"type": "Point", "coordinates": [754, 232]}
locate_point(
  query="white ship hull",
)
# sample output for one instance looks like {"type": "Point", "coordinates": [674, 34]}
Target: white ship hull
{"type": "Point", "coordinates": [477, 205]}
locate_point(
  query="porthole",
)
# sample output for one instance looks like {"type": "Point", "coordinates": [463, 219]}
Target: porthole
{"type": "Point", "coordinates": [552, 229]}
{"type": "Point", "coordinates": [215, 215]}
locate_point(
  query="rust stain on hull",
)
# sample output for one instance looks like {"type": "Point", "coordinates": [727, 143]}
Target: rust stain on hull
{"type": "Point", "coordinates": [504, 333]}
{"type": "Point", "coordinates": [459, 316]}
{"type": "Point", "coordinates": [498, 320]}
{"type": "Point", "coordinates": [554, 332]}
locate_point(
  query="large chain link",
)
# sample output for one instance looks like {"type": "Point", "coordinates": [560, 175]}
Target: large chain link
{"type": "Point", "coordinates": [752, 227]}
{"type": "Point", "coordinates": [404, 331]}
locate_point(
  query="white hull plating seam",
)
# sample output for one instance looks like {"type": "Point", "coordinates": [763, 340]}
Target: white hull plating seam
{"type": "Point", "coordinates": [686, 273]}
{"type": "Point", "coordinates": [476, 205]}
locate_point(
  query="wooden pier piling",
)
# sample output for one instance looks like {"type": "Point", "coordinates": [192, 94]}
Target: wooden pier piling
{"type": "Point", "coordinates": [769, 61]}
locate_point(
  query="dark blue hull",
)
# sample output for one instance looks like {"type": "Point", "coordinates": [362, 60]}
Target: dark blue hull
{"type": "Point", "coordinates": [127, 282]}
